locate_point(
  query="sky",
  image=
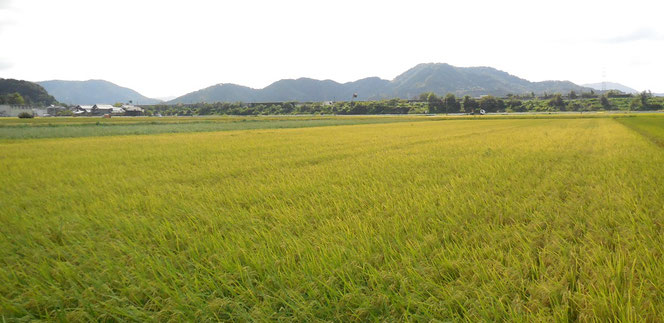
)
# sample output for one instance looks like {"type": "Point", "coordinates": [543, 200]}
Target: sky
{"type": "Point", "coordinates": [169, 48]}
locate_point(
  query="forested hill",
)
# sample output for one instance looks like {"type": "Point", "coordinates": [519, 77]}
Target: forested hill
{"type": "Point", "coordinates": [302, 89]}
{"type": "Point", "coordinates": [433, 77]}
{"type": "Point", "coordinates": [93, 92]}
{"type": "Point", "coordinates": [442, 78]}
{"type": "Point", "coordinates": [23, 93]}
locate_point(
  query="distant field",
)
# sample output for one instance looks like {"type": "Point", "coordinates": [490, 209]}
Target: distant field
{"type": "Point", "coordinates": [69, 127]}
{"type": "Point", "coordinates": [539, 219]}
{"type": "Point", "coordinates": [15, 128]}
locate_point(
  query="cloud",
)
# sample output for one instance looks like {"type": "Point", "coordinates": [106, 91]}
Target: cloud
{"type": "Point", "coordinates": [639, 34]}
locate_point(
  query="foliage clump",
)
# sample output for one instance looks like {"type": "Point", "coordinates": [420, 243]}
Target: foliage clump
{"type": "Point", "coordinates": [25, 115]}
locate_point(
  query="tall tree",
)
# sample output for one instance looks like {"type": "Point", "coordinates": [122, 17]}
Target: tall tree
{"type": "Point", "coordinates": [434, 102]}
{"type": "Point", "coordinates": [469, 104]}
{"type": "Point", "coordinates": [604, 101]}
{"type": "Point", "coordinates": [643, 97]}
{"type": "Point", "coordinates": [557, 102]}
{"type": "Point", "coordinates": [490, 103]}
{"type": "Point", "coordinates": [15, 98]}
{"type": "Point", "coordinates": [451, 104]}
{"type": "Point", "coordinates": [516, 105]}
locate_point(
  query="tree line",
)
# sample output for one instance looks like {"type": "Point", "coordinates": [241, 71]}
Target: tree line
{"type": "Point", "coordinates": [425, 103]}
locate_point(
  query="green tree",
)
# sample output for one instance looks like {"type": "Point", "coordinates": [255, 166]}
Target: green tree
{"type": "Point", "coordinates": [635, 104]}
{"type": "Point", "coordinates": [425, 96]}
{"type": "Point", "coordinates": [516, 105]}
{"type": "Point", "coordinates": [451, 104]}
{"type": "Point", "coordinates": [434, 103]}
{"type": "Point", "coordinates": [613, 93]}
{"type": "Point", "coordinates": [575, 106]}
{"type": "Point", "coordinates": [205, 110]}
{"type": "Point", "coordinates": [604, 101]}
{"type": "Point", "coordinates": [643, 97]}
{"type": "Point", "coordinates": [490, 103]}
{"type": "Point", "coordinates": [572, 95]}
{"type": "Point", "coordinates": [15, 99]}
{"type": "Point", "coordinates": [26, 115]}
{"type": "Point", "coordinates": [64, 113]}
{"type": "Point", "coordinates": [557, 102]}
{"type": "Point", "coordinates": [587, 95]}
{"type": "Point", "coordinates": [469, 104]}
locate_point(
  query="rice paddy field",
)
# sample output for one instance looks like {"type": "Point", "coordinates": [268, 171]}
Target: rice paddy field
{"type": "Point", "coordinates": [411, 219]}
{"type": "Point", "coordinates": [95, 126]}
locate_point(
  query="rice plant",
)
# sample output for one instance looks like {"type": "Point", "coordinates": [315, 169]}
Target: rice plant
{"type": "Point", "coordinates": [464, 220]}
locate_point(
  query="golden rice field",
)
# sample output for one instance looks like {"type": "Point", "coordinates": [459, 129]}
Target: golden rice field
{"type": "Point", "coordinates": [454, 220]}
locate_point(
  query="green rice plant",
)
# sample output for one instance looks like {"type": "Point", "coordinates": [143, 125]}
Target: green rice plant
{"type": "Point", "coordinates": [650, 126]}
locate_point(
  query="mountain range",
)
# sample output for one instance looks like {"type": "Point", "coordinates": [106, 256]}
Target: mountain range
{"type": "Point", "coordinates": [93, 92]}
{"type": "Point", "coordinates": [439, 78]}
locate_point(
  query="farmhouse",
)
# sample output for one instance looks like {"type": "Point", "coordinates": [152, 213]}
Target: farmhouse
{"type": "Point", "coordinates": [117, 111]}
{"type": "Point", "coordinates": [132, 110]}
{"type": "Point", "coordinates": [101, 109]}
{"type": "Point", "coordinates": [82, 110]}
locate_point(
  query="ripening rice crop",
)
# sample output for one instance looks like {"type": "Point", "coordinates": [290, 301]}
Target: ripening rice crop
{"type": "Point", "coordinates": [479, 220]}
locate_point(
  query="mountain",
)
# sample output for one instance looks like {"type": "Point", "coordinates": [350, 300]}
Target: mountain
{"type": "Point", "coordinates": [433, 77]}
{"type": "Point", "coordinates": [445, 78]}
{"type": "Point", "coordinates": [306, 89]}
{"type": "Point", "coordinates": [32, 93]}
{"type": "Point", "coordinates": [93, 92]}
{"type": "Point", "coordinates": [219, 93]}
{"type": "Point", "coordinates": [611, 86]}
{"type": "Point", "coordinates": [302, 90]}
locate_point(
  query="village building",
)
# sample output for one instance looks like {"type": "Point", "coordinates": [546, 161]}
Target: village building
{"type": "Point", "coordinates": [107, 109]}
{"type": "Point", "coordinates": [97, 110]}
{"type": "Point", "coordinates": [102, 109]}
{"type": "Point", "coordinates": [53, 110]}
{"type": "Point", "coordinates": [82, 110]}
{"type": "Point", "coordinates": [117, 111]}
{"type": "Point", "coordinates": [132, 110]}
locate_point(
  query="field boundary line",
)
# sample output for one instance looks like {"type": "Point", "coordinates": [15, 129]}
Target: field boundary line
{"type": "Point", "coordinates": [659, 142]}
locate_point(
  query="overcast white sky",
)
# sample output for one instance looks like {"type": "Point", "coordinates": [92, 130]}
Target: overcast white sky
{"type": "Point", "coordinates": [168, 48]}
